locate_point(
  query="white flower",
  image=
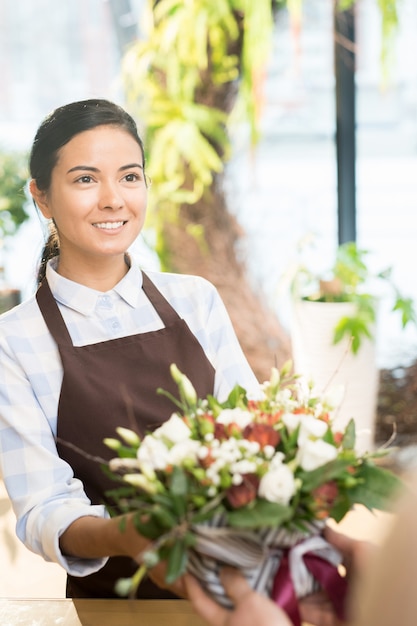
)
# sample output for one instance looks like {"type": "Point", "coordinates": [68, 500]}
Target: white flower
{"type": "Point", "coordinates": [235, 416]}
{"type": "Point", "coordinates": [277, 460]}
{"type": "Point", "coordinates": [174, 429]}
{"type": "Point", "coordinates": [291, 421]}
{"type": "Point", "coordinates": [277, 485]}
{"type": "Point", "coordinates": [269, 452]}
{"type": "Point", "coordinates": [153, 453]}
{"type": "Point", "coordinates": [213, 476]}
{"type": "Point", "coordinates": [184, 385]}
{"type": "Point", "coordinates": [128, 436]}
{"type": "Point", "coordinates": [311, 428]}
{"type": "Point", "coordinates": [117, 464]}
{"type": "Point", "coordinates": [141, 481]}
{"type": "Point", "coordinates": [187, 449]}
{"type": "Point", "coordinates": [243, 467]}
{"type": "Point", "coordinates": [251, 447]}
{"type": "Point", "coordinates": [227, 452]}
{"type": "Point", "coordinates": [314, 454]}
{"type": "Point", "coordinates": [202, 452]}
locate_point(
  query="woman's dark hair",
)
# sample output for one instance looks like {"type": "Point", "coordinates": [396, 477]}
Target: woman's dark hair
{"type": "Point", "coordinates": [56, 130]}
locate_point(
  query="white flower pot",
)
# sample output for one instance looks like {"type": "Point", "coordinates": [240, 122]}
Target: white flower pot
{"type": "Point", "coordinates": [334, 368]}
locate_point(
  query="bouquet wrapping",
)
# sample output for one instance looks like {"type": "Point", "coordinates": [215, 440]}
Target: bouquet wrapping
{"type": "Point", "coordinates": [249, 482]}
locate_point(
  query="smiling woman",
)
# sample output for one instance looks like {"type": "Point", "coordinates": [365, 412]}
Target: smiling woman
{"type": "Point", "coordinates": [97, 201]}
{"type": "Point", "coordinates": [89, 350]}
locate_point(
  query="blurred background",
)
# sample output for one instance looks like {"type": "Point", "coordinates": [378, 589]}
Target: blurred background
{"type": "Point", "coordinates": [283, 191]}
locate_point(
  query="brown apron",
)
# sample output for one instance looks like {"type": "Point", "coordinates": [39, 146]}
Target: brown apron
{"type": "Point", "coordinates": [113, 383]}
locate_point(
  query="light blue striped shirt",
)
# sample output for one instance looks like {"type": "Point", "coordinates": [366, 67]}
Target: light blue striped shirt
{"type": "Point", "coordinates": [46, 498]}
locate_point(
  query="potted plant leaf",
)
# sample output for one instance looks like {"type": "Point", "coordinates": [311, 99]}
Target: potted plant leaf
{"type": "Point", "coordinates": [13, 202]}
{"type": "Point", "coordinates": [333, 328]}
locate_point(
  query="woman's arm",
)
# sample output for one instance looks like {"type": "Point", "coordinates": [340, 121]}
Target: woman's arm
{"type": "Point", "coordinates": [95, 538]}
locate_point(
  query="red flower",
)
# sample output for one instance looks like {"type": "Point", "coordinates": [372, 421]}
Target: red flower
{"type": "Point", "coordinates": [263, 434]}
{"type": "Point", "coordinates": [241, 495]}
{"type": "Point", "coordinates": [324, 498]}
{"type": "Point", "coordinates": [225, 431]}
{"type": "Point", "coordinates": [220, 432]}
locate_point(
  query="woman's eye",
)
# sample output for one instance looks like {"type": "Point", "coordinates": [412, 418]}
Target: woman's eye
{"type": "Point", "coordinates": [131, 178]}
{"type": "Point", "coordinates": [84, 179]}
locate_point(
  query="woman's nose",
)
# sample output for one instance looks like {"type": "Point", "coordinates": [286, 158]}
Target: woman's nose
{"type": "Point", "coordinates": [110, 196]}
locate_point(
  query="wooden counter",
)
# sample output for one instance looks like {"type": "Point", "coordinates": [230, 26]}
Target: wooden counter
{"type": "Point", "coordinates": [57, 612]}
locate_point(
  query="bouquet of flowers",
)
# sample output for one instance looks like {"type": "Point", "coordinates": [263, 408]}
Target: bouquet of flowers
{"type": "Point", "coordinates": [248, 482]}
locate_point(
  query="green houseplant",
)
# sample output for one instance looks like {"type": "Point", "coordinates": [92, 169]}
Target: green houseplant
{"type": "Point", "coordinates": [351, 280]}
{"type": "Point", "coordinates": [333, 327]}
{"type": "Point", "coordinates": [13, 212]}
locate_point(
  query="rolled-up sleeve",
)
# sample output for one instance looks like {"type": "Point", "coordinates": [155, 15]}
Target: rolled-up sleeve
{"type": "Point", "coordinates": [46, 497]}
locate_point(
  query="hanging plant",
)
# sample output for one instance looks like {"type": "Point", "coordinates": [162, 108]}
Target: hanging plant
{"type": "Point", "coordinates": [186, 46]}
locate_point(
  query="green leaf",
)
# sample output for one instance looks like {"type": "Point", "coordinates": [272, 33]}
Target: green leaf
{"type": "Point", "coordinates": [163, 517]}
{"type": "Point", "coordinates": [237, 397]}
{"type": "Point", "coordinates": [349, 437]}
{"type": "Point", "coordinates": [355, 328]}
{"type": "Point", "coordinates": [406, 307]}
{"type": "Point", "coordinates": [147, 526]}
{"type": "Point", "coordinates": [324, 473]}
{"type": "Point", "coordinates": [179, 482]}
{"type": "Point", "coordinates": [341, 507]}
{"type": "Point", "coordinates": [204, 516]}
{"type": "Point", "coordinates": [259, 514]}
{"type": "Point", "coordinates": [377, 487]}
{"type": "Point", "coordinates": [177, 560]}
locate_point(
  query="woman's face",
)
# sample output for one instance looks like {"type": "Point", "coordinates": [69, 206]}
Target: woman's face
{"type": "Point", "coordinates": [97, 196]}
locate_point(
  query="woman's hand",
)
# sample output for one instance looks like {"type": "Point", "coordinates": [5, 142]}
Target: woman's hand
{"type": "Point", "coordinates": [157, 575]}
{"type": "Point", "coordinates": [250, 607]}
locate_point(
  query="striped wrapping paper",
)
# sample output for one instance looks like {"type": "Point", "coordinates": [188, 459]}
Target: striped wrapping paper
{"type": "Point", "coordinates": [257, 554]}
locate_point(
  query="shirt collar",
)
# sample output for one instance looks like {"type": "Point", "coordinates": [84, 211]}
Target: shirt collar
{"type": "Point", "coordinates": [83, 299]}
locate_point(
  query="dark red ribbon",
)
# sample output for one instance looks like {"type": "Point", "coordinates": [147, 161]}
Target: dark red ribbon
{"type": "Point", "coordinates": [283, 592]}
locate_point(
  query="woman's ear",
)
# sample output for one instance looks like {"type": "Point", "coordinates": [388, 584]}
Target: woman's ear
{"type": "Point", "coordinates": [40, 198]}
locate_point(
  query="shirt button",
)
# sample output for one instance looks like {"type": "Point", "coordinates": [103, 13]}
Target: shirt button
{"type": "Point", "coordinates": [105, 302]}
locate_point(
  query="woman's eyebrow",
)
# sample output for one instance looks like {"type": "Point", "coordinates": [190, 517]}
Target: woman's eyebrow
{"type": "Point", "coordinates": [89, 168]}
{"type": "Point", "coordinates": [84, 168]}
{"type": "Point", "coordinates": [130, 165]}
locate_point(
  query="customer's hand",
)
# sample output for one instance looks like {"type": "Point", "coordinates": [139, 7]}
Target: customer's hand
{"type": "Point", "coordinates": [356, 554]}
{"type": "Point", "coordinates": [250, 607]}
{"type": "Point", "coordinates": [316, 608]}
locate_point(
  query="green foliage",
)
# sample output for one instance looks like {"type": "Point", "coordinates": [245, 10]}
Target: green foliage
{"type": "Point", "coordinates": [349, 280]}
{"type": "Point", "coordinates": [13, 199]}
{"type": "Point", "coordinates": [259, 515]}
{"type": "Point", "coordinates": [190, 52]}
{"type": "Point", "coordinates": [181, 82]}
